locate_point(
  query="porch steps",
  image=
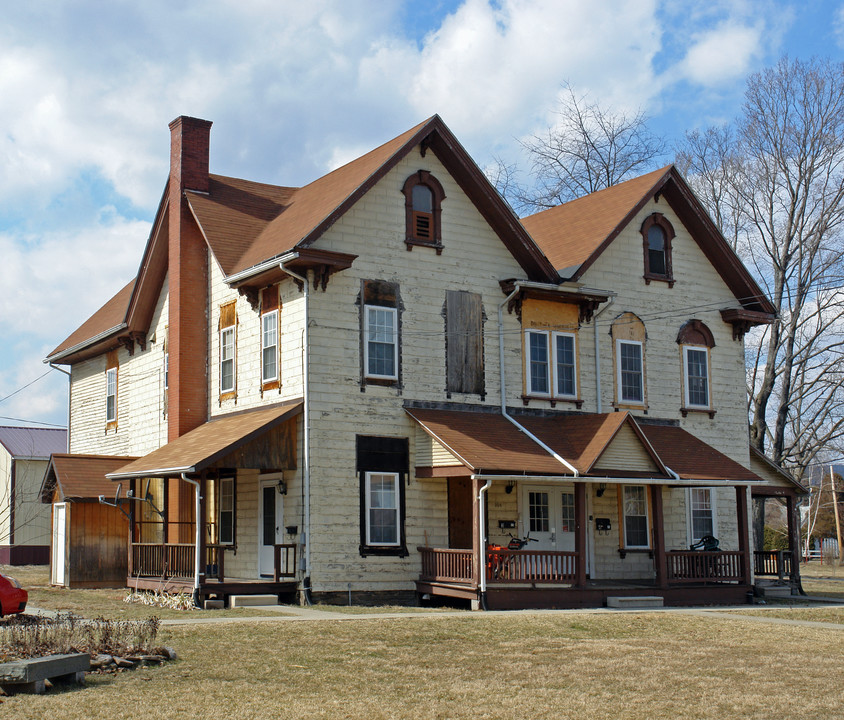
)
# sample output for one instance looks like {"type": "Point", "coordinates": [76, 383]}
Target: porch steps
{"type": "Point", "coordinates": [640, 601]}
{"type": "Point", "coordinates": [252, 600]}
{"type": "Point", "coordinates": [773, 591]}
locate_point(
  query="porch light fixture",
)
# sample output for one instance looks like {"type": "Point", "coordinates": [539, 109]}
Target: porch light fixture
{"type": "Point", "coordinates": [510, 485]}
{"type": "Point", "coordinates": [282, 487]}
{"type": "Point", "coordinates": [601, 488]}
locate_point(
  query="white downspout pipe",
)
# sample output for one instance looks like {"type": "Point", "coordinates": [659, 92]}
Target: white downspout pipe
{"type": "Point", "coordinates": [306, 431]}
{"type": "Point", "coordinates": [598, 353]}
{"type": "Point", "coordinates": [69, 386]}
{"type": "Point", "coordinates": [571, 468]}
{"type": "Point", "coordinates": [197, 568]}
{"type": "Point", "coordinates": [482, 539]}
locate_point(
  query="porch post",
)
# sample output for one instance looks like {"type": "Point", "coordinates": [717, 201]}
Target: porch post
{"type": "Point", "coordinates": [659, 536]}
{"type": "Point", "coordinates": [580, 523]}
{"type": "Point", "coordinates": [793, 537]}
{"type": "Point", "coordinates": [477, 532]}
{"type": "Point", "coordinates": [743, 532]}
{"type": "Point", "coordinates": [203, 552]}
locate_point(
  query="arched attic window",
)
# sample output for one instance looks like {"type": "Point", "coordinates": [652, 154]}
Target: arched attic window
{"type": "Point", "coordinates": [657, 234]}
{"type": "Point", "coordinates": [423, 196]}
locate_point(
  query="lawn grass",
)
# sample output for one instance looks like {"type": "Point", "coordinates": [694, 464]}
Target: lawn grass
{"type": "Point", "coordinates": [788, 611]}
{"type": "Point", "coordinates": [656, 666]}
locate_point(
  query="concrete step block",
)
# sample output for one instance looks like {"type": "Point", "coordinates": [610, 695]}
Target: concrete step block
{"type": "Point", "coordinates": [252, 600]}
{"type": "Point", "coordinates": [640, 601]}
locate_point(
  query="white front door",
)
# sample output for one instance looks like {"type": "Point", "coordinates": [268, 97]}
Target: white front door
{"type": "Point", "coordinates": [269, 526]}
{"type": "Point", "coordinates": [59, 539]}
{"type": "Point", "coordinates": [548, 516]}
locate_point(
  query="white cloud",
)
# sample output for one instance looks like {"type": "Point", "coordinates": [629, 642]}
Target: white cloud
{"type": "Point", "coordinates": [722, 54]}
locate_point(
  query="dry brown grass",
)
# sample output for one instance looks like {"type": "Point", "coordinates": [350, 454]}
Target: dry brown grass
{"type": "Point", "coordinates": [479, 666]}
{"type": "Point", "coordinates": [798, 612]}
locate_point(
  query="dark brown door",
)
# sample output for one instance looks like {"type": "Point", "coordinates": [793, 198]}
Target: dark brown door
{"type": "Point", "coordinates": [460, 512]}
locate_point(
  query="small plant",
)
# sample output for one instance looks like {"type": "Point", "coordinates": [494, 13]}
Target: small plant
{"type": "Point", "coordinates": [157, 598]}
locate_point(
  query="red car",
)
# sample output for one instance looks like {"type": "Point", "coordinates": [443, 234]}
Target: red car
{"type": "Point", "coordinates": [12, 596]}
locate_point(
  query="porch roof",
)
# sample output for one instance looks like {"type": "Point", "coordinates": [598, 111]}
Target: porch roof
{"type": "Point", "coordinates": [80, 477]}
{"type": "Point", "coordinates": [203, 446]}
{"type": "Point", "coordinates": [488, 444]}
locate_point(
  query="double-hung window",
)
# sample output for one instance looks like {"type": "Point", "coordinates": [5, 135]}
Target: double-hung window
{"type": "Point", "coordinates": [269, 347]}
{"type": "Point", "coordinates": [226, 514]}
{"type": "Point", "coordinates": [635, 511]}
{"type": "Point", "coordinates": [381, 342]}
{"type": "Point", "coordinates": [551, 364]}
{"type": "Point", "coordinates": [701, 513]}
{"type": "Point", "coordinates": [111, 395]}
{"type": "Point", "coordinates": [631, 376]}
{"type": "Point", "coordinates": [382, 509]}
{"type": "Point", "coordinates": [228, 339]}
{"type": "Point", "coordinates": [696, 375]}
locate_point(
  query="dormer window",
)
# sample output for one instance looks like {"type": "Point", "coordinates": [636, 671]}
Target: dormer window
{"type": "Point", "coordinates": [423, 197]}
{"type": "Point", "coordinates": [657, 234]}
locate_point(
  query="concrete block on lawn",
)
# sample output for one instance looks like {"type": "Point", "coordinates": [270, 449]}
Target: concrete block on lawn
{"type": "Point", "coordinates": [29, 675]}
{"type": "Point", "coordinates": [213, 605]}
{"type": "Point", "coordinates": [643, 601]}
{"type": "Point", "coordinates": [252, 600]}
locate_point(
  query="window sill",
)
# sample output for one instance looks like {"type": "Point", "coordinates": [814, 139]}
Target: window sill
{"type": "Point", "coordinates": [623, 552]}
{"type": "Point", "coordinates": [630, 406]}
{"type": "Point", "coordinates": [411, 242]}
{"type": "Point", "coordinates": [228, 396]}
{"type": "Point", "coordinates": [659, 278]}
{"type": "Point", "coordinates": [684, 411]}
{"type": "Point", "coordinates": [553, 400]}
{"type": "Point", "coordinates": [272, 385]}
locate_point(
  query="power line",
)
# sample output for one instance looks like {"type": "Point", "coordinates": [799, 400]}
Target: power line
{"type": "Point", "coordinates": [20, 389]}
{"type": "Point", "coordinates": [33, 422]}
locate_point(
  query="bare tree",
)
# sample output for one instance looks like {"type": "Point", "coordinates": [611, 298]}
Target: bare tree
{"type": "Point", "coordinates": [589, 148]}
{"type": "Point", "coordinates": [774, 183]}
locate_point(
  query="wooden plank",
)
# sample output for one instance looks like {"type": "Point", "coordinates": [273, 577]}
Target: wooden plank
{"type": "Point", "coordinates": [464, 342]}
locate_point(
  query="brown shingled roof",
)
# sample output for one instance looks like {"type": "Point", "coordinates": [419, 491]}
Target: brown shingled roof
{"type": "Point", "coordinates": [201, 447]}
{"type": "Point", "coordinates": [81, 477]}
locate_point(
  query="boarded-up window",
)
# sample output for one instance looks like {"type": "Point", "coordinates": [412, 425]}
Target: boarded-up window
{"type": "Point", "coordinates": [464, 353]}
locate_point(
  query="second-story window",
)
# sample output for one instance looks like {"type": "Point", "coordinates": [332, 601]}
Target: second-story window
{"type": "Point", "coordinates": [551, 364]}
{"type": "Point", "coordinates": [269, 338]}
{"type": "Point", "coordinates": [111, 389]}
{"type": "Point", "coordinates": [423, 198]}
{"type": "Point", "coordinates": [628, 335]}
{"type": "Point", "coordinates": [657, 234]}
{"type": "Point", "coordinates": [380, 333]}
{"type": "Point", "coordinates": [228, 340]}
{"type": "Point", "coordinates": [696, 341]}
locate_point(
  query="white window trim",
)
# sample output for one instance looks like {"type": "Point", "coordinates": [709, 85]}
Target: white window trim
{"type": "Point", "coordinates": [713, 509]}
{"type": "Point", "coordinates": [551, 376]}
{"type": "Point", "coordinates": [221, 510]}
{"type": "Point", "coordinates": [627, 545]}
{"type": "Point", "coordinates": [395, 343]}
{"type": "Point", "coordinates": [265, 316]}
{"type": "Point", "coordinates": [620, 389]}
{"type": "Point", "coordinates": [689, 403]}
{"type": "Point", "coordinates": [232, 359]}
{"type": "Point", "coordinates": [111, 373]}
{"type": "Point", "coordinates": [397, 510]}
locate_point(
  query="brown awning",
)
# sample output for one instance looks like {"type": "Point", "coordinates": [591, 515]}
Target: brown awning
{"type": "Point", "coordinates": [202, 447]}
{"type": "Point", "coordinates": [80, 477]}
{"type": "Point", "coordinates": [489, 444]}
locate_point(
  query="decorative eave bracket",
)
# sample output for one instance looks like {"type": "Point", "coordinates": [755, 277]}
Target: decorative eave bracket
{"type": "Point", "coordinates": [586, 302]}
{"type": "Point", "coordinates": [742, 320]}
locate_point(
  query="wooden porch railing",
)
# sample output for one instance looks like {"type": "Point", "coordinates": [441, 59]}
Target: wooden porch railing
{"type": "Point", "coordinates": [176, 560]}
{"type": "Point", "coordinates": [534, 566]}
{"type": "Point", "coordinates": [446, 565]}
{"type": "Point", "coordinates": [695, 566]}
{"type": "Point", "coordinates": [776, 563]}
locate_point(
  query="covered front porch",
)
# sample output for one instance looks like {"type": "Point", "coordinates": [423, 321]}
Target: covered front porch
{"type": "Point", "coordinates": [617, 524]}
{"type": "Point", "coordinates": [232, 474]}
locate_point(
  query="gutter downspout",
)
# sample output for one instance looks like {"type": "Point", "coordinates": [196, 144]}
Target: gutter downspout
{"type": "Point", "coordinates": [198, 523]}
{"type": "Point", "coordinates": [306, 432]}
{"type": "Point", "coordinates": [481, 518]}
{"type": "Point", "coordinates": [56, 367]}
{"type": "Point", "coordinates": [598, 353]}
{"type": "Point", "coordinates": [533, 437]}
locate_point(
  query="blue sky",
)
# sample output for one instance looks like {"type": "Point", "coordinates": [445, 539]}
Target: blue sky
{"type": "Point", "coordinates": [296, 89]}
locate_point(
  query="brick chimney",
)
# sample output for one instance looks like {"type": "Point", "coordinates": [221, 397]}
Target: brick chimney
{"type": "Point", "coordinates": [188, 279]}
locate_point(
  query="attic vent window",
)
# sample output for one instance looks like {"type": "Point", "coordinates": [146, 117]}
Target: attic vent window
{"type": "Point", "coordinates": [423, 198]}
{"type": "Point", "coordinates": [657, 234]}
